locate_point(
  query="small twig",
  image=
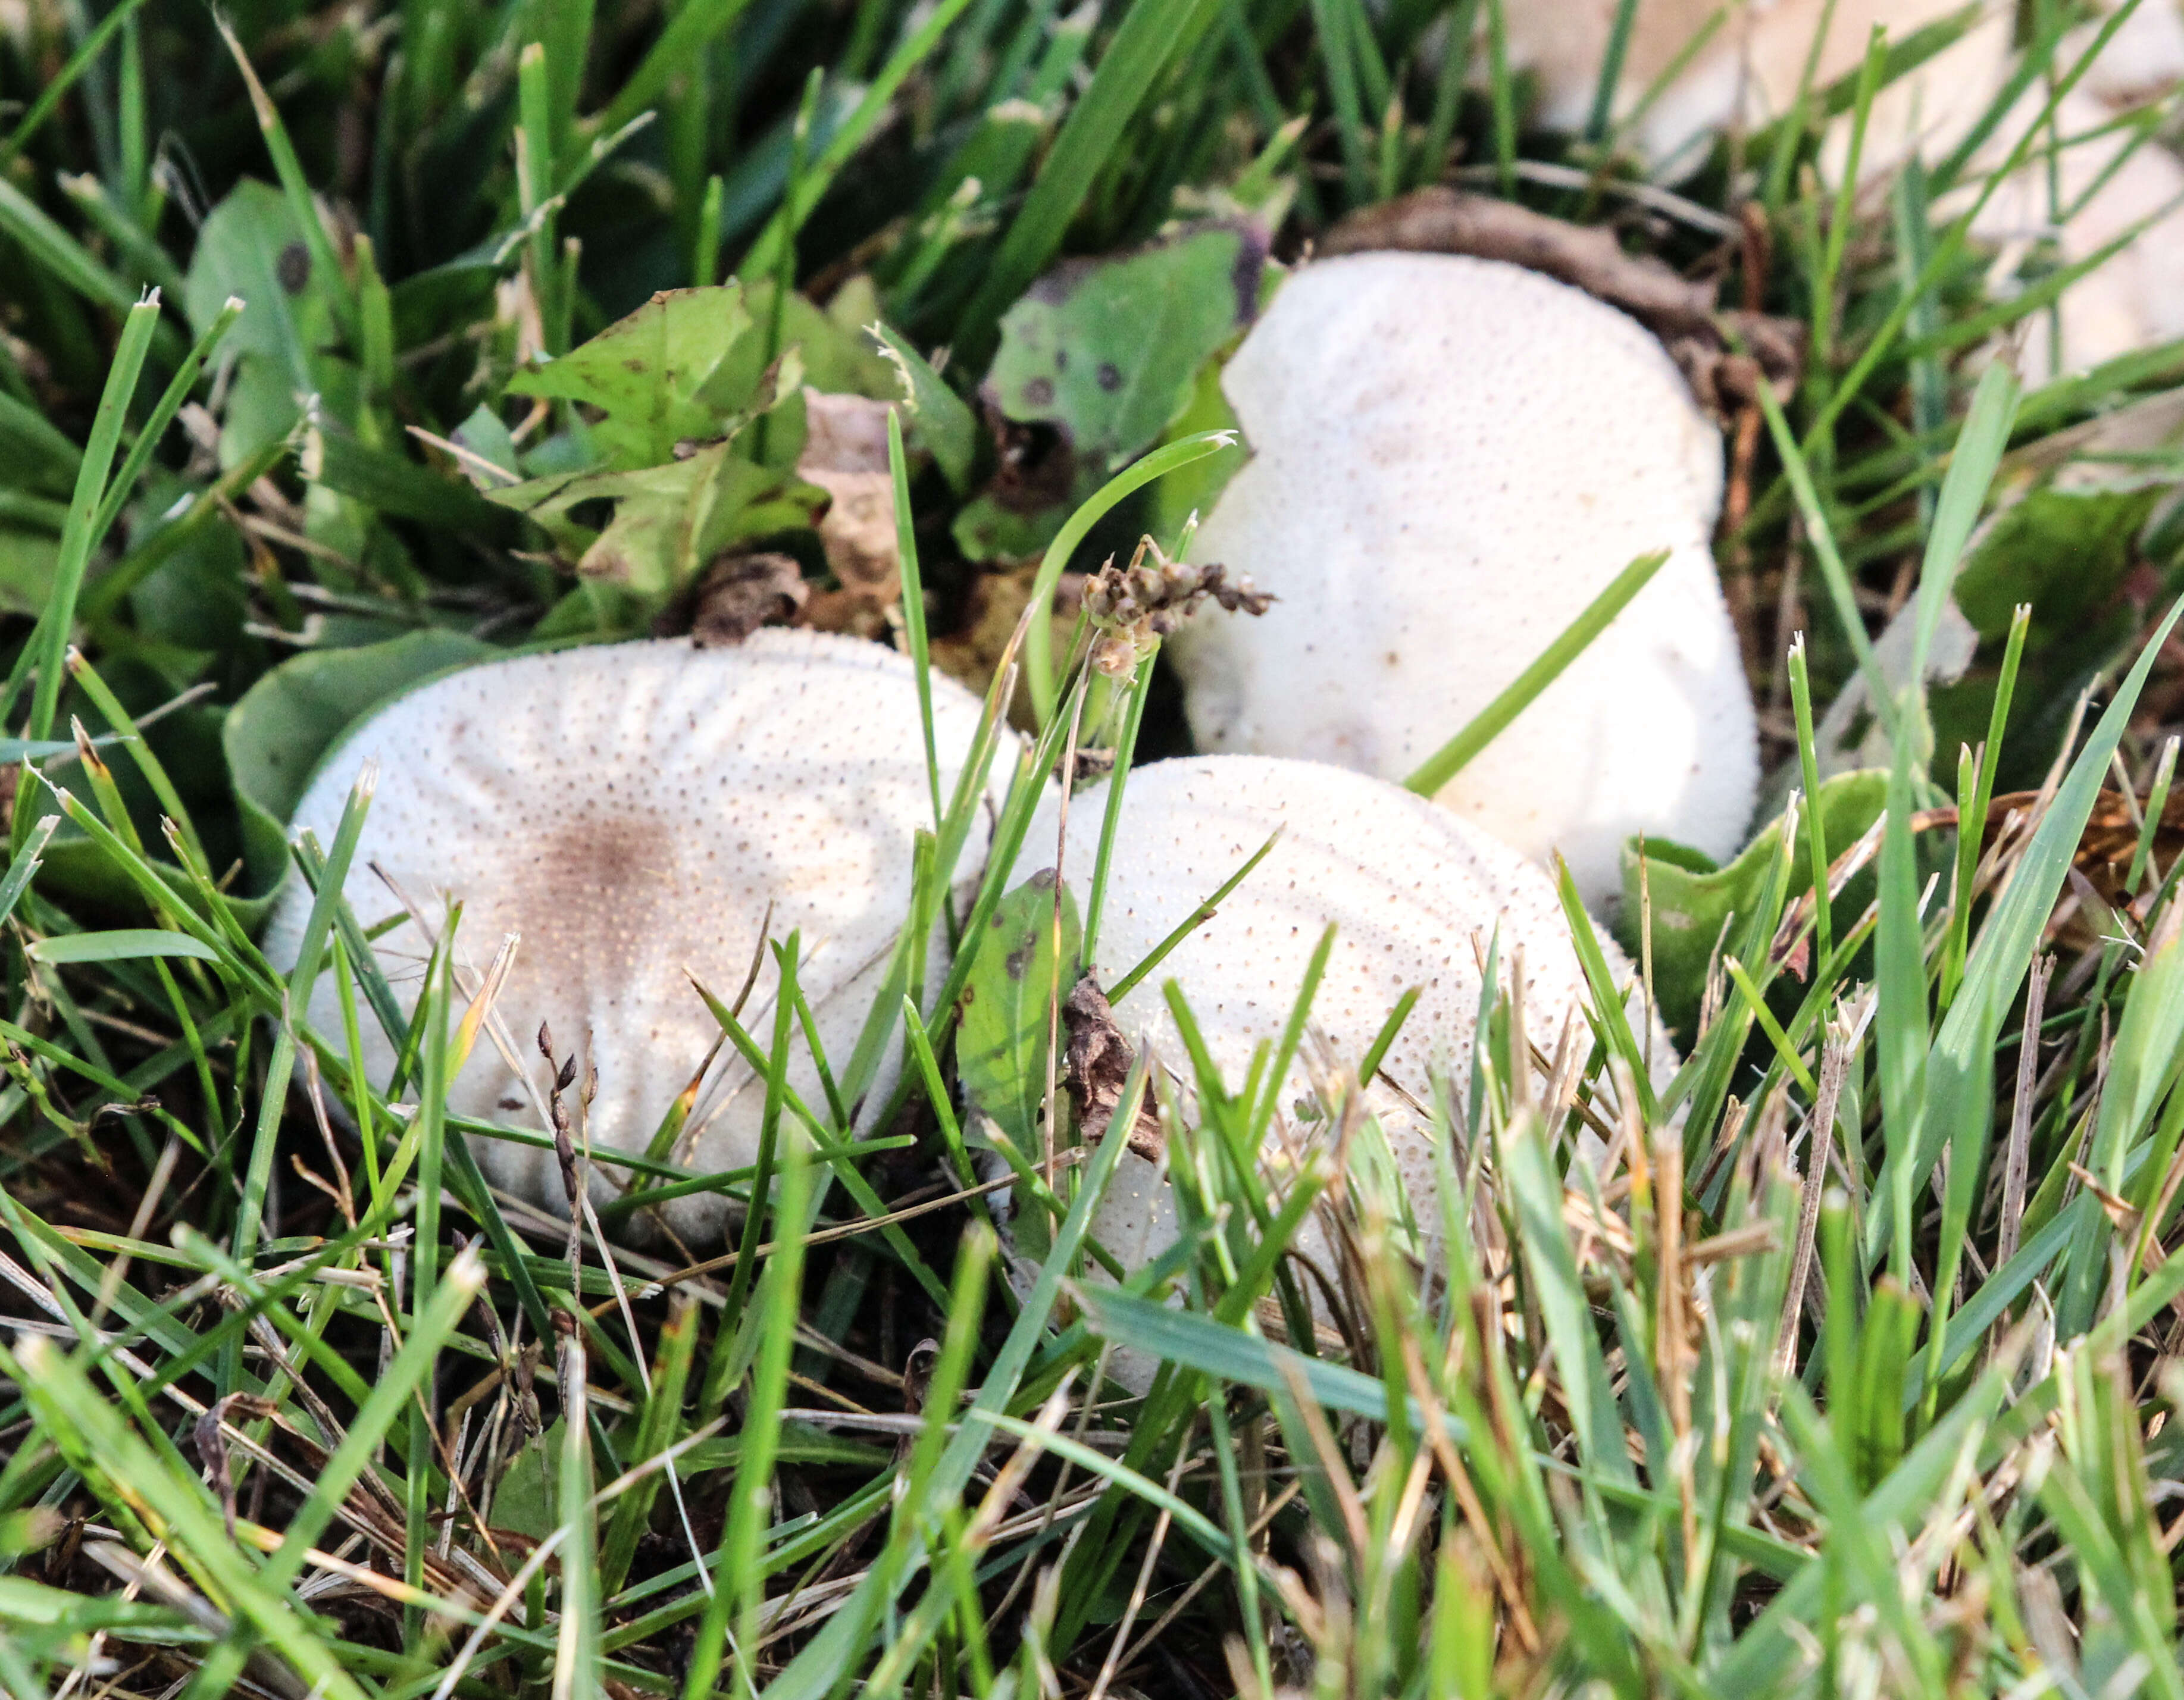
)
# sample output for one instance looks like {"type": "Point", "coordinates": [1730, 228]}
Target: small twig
{"type": "Point", "coordinates": [2018, 1157]}
{"type": "Point", "coordinates": [1819, 1138]}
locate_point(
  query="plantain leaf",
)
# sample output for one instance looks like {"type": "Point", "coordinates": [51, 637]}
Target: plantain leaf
{"type": "Point", "coordinates": [276, 736]}
{"type": "Point", "coordinates": [1692, 899]}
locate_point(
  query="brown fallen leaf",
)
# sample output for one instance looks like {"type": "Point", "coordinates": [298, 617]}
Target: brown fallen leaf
{"type": "Point", "coordinates": [2110, 839]}
{"type": "Point", "coordinates": [1096, 1062]}
{"type": "Point", "coordinates": [845, 454]}
{"type": "Point", "coordinates": [2103, 860]}
{"type": "Point", "coordinates": [733, 597]}
{"type": "Point", "coordinates": [1682, 312]}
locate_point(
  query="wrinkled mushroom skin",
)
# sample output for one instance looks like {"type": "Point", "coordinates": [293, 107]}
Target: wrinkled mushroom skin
{"type": "Point", "coordinates": [1416, 896]}
{"type": "Point", "coordinates": [632, 810]}
{"type": "Point", "coordinates": [1450, 458]}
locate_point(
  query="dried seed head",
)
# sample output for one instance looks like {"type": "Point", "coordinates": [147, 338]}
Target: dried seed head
{"type": "Point", "coordinates": [1133, 606]}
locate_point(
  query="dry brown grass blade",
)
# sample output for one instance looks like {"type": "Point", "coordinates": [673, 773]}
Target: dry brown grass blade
{"type": "Point", "coordinates": [1819, 1139]}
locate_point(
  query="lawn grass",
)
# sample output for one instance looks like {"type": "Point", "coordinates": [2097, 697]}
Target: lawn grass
{"type": "Point", "coordinates": [1851, 1370]}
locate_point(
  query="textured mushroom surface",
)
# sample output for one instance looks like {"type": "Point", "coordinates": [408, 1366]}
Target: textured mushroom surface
{"type": "Point", "coordinates": [1450, 458]}
{"type": "Point", "coordinates": [1416, 895]}
{"type": "Point", "coordinates": [632, 810]}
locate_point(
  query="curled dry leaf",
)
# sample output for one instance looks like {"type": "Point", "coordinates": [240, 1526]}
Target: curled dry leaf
{"type": "Point", "coordinates": [738, 594]}
{"type": "Point", "coordinates": [845, 454]}
{"type": "Point", "coordinates": [1096, 1060]}
{"type": "Point", "coordinates": [1681, 311]}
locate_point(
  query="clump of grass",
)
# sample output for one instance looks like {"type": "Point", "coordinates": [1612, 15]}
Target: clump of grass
{"type": "Point", "coordinates": [1848, 1370]}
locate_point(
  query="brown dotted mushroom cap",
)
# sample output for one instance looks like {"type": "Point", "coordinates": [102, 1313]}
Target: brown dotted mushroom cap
{"type": "Point", "coordinates": [630, 810]}
{"type": "Point", "coordinates": [1450, 458]}
{"type": "Point", "coordinates": [1416, 895]}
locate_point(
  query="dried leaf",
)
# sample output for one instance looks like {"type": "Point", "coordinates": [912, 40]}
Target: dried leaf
{"type": "Point", "coordinates": [739, 594]}
{"type": "Point", "coordinates": [845, 454]}
{"type": "Point", "coordinates": [1096, 1060]}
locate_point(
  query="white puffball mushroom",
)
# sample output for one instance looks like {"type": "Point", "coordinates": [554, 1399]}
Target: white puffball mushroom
{"type": "Point", "coordinates": [1749, 69]}
{"type": "Point", "coordinates": [2132, 300]}
{"type": "Point", "coordinates": [1749, 74]}
{"type": "Point", "coordinates": [630, 810]}
{"type": "Point", "coordinates": [1450, 458]}
{"type": "Point", "coordinates": [1416, 896]}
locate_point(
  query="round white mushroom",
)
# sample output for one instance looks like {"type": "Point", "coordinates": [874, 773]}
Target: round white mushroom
{"type": "Point", "coordinates": [1450, 458]}
{"type": "Point", "coordinates": [633, 811]}
{"type": "Point", "coordinates": [1750, 72]}
{"type": "Point", "coordinates": [1749, 69]}
{"type": "Point", "coordinates": [1416, 897]}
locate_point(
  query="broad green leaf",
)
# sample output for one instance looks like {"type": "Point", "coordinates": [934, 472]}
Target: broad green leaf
{"type": "Point", "coordinates": [649, 374]}
{"type": "Point", "coordinates": [669, 520]}
{"type": "Point", "coordinates": [251, 246]}
{"type": "Point", "coordinates": [2065, 551]}
{"type": "Point", "coordinates": [1107, 351]}
{"type": "Point", "coordinates": [940, 421]}
{"type": "Point", "coordinates": [1692, 899]}
{"type": "Point", "coordinates": [128, 944]}
{"type": "Point", "coordinates": [1197, 486]}
{"type": "Point", "coordinates": [1008, 1006]}
{"type": "Point", "coordinates": [288, 723]}
{"type": "Point", "coordinates": [525, 1503]}
{"type": "Point", "coordinates": [197, 599]}
{"type": "Point", "coordinates": [486, 437]}
{"type": "Point", "coordinates": [837, 359]}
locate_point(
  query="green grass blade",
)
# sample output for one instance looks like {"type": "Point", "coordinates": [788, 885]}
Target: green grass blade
{"type": "Point", "coordinates": [78, 538]}
{"type": "Point", "coordinates": [1152, 36]}
{"type": "Point", "coordinates": [1491, 721]}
